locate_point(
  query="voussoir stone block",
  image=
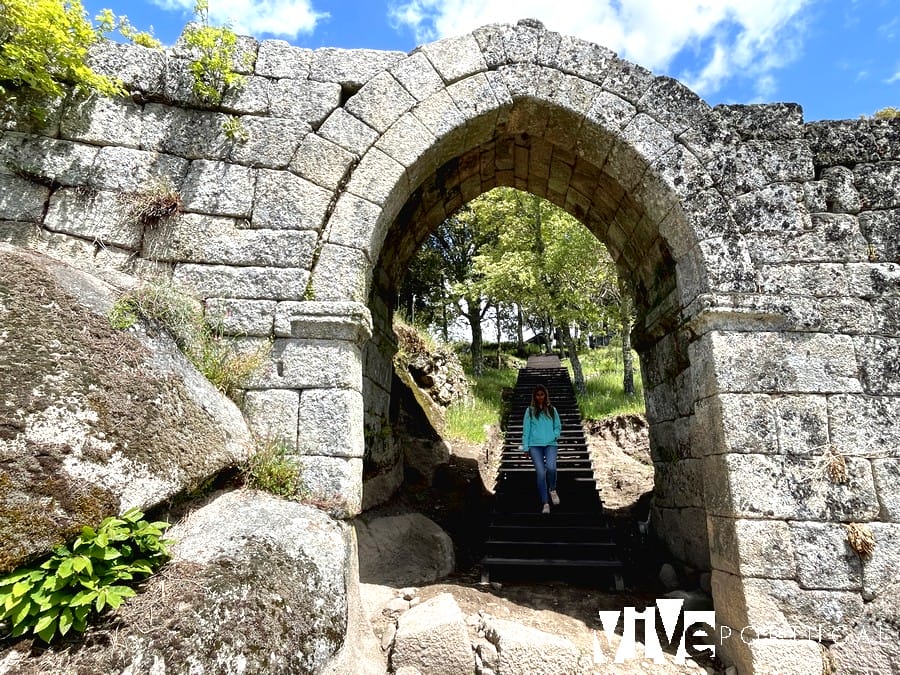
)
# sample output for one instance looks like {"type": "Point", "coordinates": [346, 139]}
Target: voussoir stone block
{"type": "Point", "coordinates": [455, 57]}
{"type": "Point", "coordinates": [377, 178]}
{"type": "Point", "coordinates": [417, 76]}
{"type": "Point", "coordinates": [349, 132]}
{"type": "Point", "coordinates": [583, 59]}
{"type": "Point", "coordinates": [380, 102]}
{"type": "Point", "coordinates": [355, 223]}
{"type": "Point", "coordinates": [351, 68]}
{"type": "Point", "coordinates": [322, 162]}
{"type": "Point", "coordinates": [341, 273]}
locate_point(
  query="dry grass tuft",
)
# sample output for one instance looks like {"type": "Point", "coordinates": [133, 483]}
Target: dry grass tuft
{"type": "Point", "coordinates": [835, 466]}
{"type": "Point", "coordinates": [861, 539]}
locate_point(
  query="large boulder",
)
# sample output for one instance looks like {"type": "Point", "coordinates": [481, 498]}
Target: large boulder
{"type": "Point", "coordinates": [256, 585]}
{"type": "Point", "coordinates": [432, 639]}
{"type": "Point", "coordinates": [524, 650]}
{"type": "Point", "coordinates": [94, 420]}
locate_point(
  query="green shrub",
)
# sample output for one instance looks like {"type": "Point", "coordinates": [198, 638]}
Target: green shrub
{"type": "Point", "coordinates": [235, 130]}
{"type": "Point", "coordinates": [62, 593]}
{"type": "Point", "coordinates": [214, 53]}
{"type": "Point", "coordinates": [43, 53]}
{"type": "Point", "coordinates": [273, 470]}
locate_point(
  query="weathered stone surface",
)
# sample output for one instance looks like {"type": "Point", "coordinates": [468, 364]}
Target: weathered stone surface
{"type": "Point", "coordinates": [880, 568]}
{"type": "Point", "coordinates": [219, 189]}
{"type": "Point", "coordinates": [326, 416]}
{"type": "Point", "coordinates": [417, 76]}
{"type": "Point", "coordinates": [380, 102]}
{"type": "Point", "coordinates": [841, 195]}
{"type": "Point", "coordinates": [128, 170]}
{"type": "Point", "coordinates": [194, 134]}
{"type": "Point", "coordinates": [196, 238]}
{"type": "Point", "coordinates": [767, 121]}
{"type": "Point", "coordinates": [324, 163]}
{"type": "Point", "coordinates": [887, 477]}
{"type": "Point", "coordinates": [788, 656]}
{"type": "Point", "coordinates": [779, 608]}
{"type": "Point", "coordinates": [824, 557]}
{"type": "Point", "coordinates": [351, 223]}
{"type": "Point", "coordinates": [241, 317]}
{"type": "Point", "coordinates": [332, 483]}
{"type": "Point", "coordinates": [432, 638]}
{"type": "Point", "coordinates": [272, 415]}
{"type": "Point", "coordinates": [22, 199]}
{"type": "Point", "coordinates": [277, 58]}
{"type": "Point", "coordinates": [341, 273]}
{"type": "Point", "coordinates": [348, 132]}
{"type": "Point", "coordinates": [351, 68]}
{"type": "Point", "coordinates": [86, 440]}
{"type": "Point", "coordinates": [270, 143]}
{"type": "Point", "coordinates": [879, 361]}
{"type": "Point", "coordinates": [404, 549]}
{"type": "Point", "coordinates": [251, 98]}
{"type": "Point", "coordinates": [751, 548]}
{"type": "Point", "coordinates": [102, 217]}
{"type": "Point", "coordinates": [309, 363]}
{"type": "Point", "coordinates": [139, 68]}
{"type": "Point", "coordinates": [864, 425]}
{"type": "Point", "coordinates": [455, 57]}
{"type": "Point", "coordinates": [761, 362]}
{"type": "Point", "coordinates": [46, 159]}
{"type": "Point", "coordinates": [101, 121]}
{"type": "Point", "coordinates": [349, 321]}
{"type": "Point", "coordinates": [286, 202]}
{"type": "Point", "coordinates": [242, 282]}
{"type": "Point", "coordinates": [878, 184]}
{"type": "Point", "coordinates": [872, 645]}
{"type": "Point", "coordinates": [786, 487]}
{"type": "Point", "coordinates": [304, 100]}
{"type": "Point", "coordinates": [524, 650]}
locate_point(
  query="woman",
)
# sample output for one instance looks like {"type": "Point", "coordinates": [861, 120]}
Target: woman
{"type": "Point", "coordinates": [540, 438]}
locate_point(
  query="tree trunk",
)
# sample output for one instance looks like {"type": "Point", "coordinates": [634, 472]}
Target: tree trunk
{"type": "Point", "coordinates": [520, 332]}
{"type": "Point", "coordinates": [627, 361]}
{"type": "Point", "coordinates": [473, 313]}
{"type": "Point", "coordinates": [499, 359]}
{"type": "Point", "coordinates": [577, 372]}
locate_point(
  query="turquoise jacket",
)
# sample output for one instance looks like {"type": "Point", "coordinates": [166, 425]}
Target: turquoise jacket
{"type": "Point", "coordinates": [541, 430]}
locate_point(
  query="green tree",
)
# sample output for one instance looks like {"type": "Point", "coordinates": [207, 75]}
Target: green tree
{"type": "Point", "coordinates": [43, 53]}
{"type": "Point", "coordinates": [551, 266]}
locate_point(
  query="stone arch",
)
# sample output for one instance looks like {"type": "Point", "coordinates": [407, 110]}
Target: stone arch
{"type": "Point", "coordinates": [640, 160]}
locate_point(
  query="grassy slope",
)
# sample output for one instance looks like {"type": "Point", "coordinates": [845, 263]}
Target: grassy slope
{"type": "Point", "coordinates": [603, 376]}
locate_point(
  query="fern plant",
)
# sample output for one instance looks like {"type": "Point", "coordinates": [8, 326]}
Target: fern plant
{"type": "Point", "coordinates": [84, 579]}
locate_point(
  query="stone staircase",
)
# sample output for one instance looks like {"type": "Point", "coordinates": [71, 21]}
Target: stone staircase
{"type": "Point", "coordinates": [572, 543]}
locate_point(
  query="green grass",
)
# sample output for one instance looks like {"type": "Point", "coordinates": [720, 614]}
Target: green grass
{"type": "Point", "coordinates": [603, 377]}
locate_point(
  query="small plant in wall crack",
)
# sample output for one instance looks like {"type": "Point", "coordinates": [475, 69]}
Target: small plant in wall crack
{"type": "Point", "coordinates": [155, 204]}
{"type": "Point", "coordinates": [81, 580]}
{"type": "Point", "coordinates": [214, 49]}
{"type": "Point", "coordinates": [235, 130]}
{"type": "Point", "coordinates": [835, 466]}
{"type": "Point", "coordinates": [274, 470]}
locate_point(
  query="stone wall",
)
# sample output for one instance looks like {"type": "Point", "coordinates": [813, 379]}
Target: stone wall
{"type": "Point", "coordinates": [762, 253]}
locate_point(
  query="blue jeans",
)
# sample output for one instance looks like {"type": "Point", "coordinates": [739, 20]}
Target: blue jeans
{"type": "Point", "coordinates": [544, 459]}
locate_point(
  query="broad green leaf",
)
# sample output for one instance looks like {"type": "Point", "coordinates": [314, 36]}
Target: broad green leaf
{"type": "Point", "coordinates": [65, 621]}
{"type": "Point", "coordinates": [21, 589]}
{"type": "Point", "coordinates": [47, 632]}
{"type": "Point", "coordinates": [81, 598]}
{"type": "Point", "coordinates": [47, 618]}
{"type": "Point", "coordinates": [21, 612]}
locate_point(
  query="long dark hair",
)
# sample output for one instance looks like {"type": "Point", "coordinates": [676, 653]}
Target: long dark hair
{"type": "Point", "coordinates": [548, 407]}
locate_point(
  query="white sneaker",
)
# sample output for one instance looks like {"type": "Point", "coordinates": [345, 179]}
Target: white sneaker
{"type": "Point", "coordinates": [546, 509]}
{"type": "Point", "coordinates": [554, 497]}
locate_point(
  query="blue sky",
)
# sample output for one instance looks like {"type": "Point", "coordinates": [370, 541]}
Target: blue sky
{"type": "Point", "coordinates": [837, 58]}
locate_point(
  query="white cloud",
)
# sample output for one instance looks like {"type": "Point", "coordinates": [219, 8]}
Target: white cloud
{"type": "Point", "coordinates": [893, 78]}
{"type": "Point", "coordinates": [282, 18]}
{"type": "Point", "coordinates": [725, 39]}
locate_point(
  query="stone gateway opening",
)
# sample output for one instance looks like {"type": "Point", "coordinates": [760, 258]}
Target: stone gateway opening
{"type": "Point", "coordinates": [763, 255]}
